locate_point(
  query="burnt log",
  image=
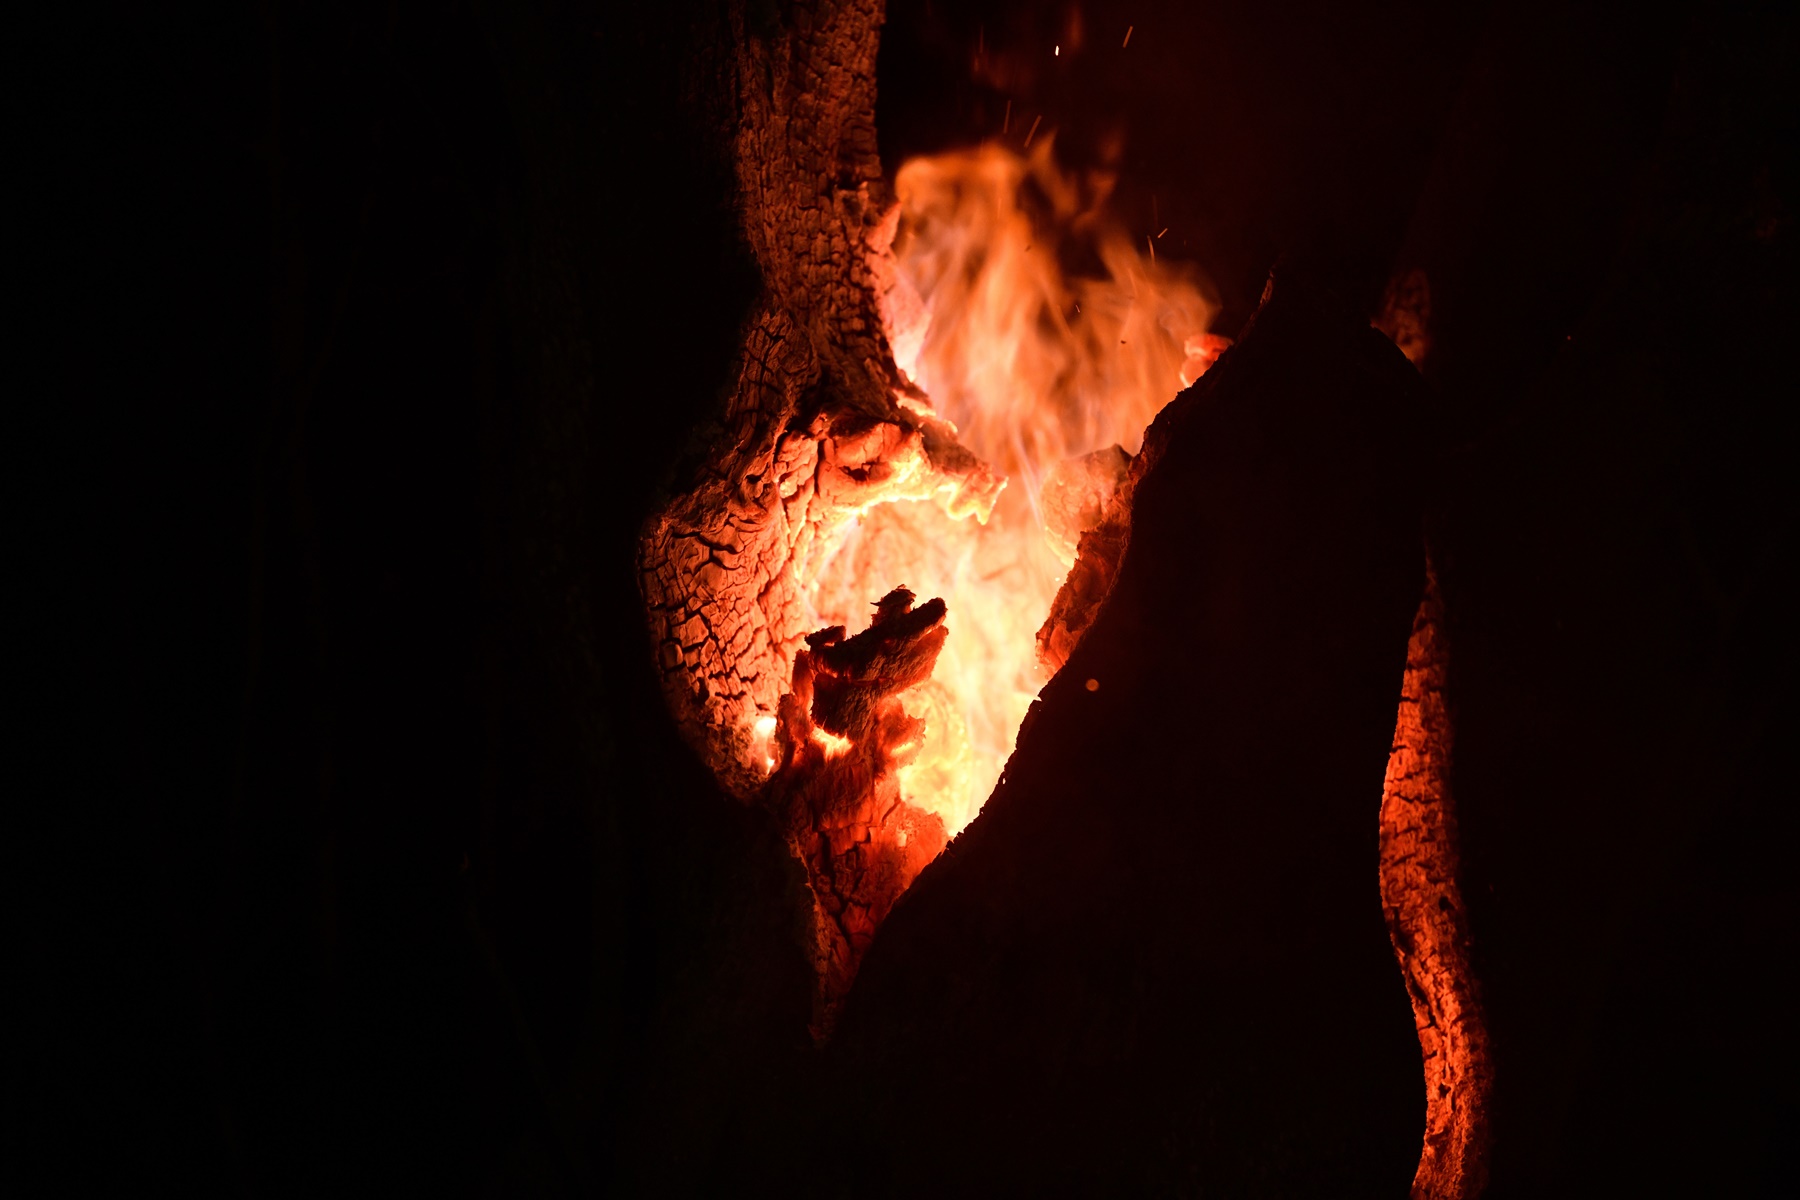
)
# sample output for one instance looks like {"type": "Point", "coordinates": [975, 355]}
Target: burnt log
{"type": "Point", "coordinates": [1157, 960]}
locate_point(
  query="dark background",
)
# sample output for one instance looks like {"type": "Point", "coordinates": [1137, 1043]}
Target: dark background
{"type": "Point", "coordinates": [357, 850]}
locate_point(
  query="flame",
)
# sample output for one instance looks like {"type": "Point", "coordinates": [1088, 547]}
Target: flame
{"type": "Point", "coordinates": [1035, 364]}
{"type": "Point", "coordinates": [762, 733]}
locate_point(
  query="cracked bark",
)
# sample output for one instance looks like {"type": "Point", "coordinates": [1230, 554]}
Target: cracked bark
{"type": "Point", "coordinates": [1428, 922]}
{"type": "Point", "coordinates": [818, 426]}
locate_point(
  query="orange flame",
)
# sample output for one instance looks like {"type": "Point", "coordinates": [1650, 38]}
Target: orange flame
{"type": "Point", "coordinates": [1035, 364]}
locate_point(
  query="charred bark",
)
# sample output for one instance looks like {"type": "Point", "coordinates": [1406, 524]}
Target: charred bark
{"type": "Point", "coordinates": [813, 428]}
{"type": "Point", "coordinates": [1157, 960]}
{"type": "Point", "coordinates": [819, 425]}
{"type": "Point", "coordinates": [1420, 891]}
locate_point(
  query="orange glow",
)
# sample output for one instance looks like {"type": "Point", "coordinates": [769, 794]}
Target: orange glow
{"type": "Point", "coordinates": [1035, 366]}
{"type": "Point", "coordinates": [831, 742]}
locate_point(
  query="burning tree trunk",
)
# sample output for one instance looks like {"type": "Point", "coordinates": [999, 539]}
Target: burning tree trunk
{"type": "Point", "coordinates": [820, 426]}
{"type": "Point", "coordinates": [814, 431]}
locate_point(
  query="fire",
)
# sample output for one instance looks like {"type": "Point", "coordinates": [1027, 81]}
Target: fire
{"type": "Point", "coordinates": [1050, 374]}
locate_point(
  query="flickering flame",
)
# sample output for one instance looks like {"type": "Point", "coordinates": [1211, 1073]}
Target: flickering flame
{"type": "Point", "coordinates": [1042, 333]}
{"type": "Point", "coordinates": [763, 731]}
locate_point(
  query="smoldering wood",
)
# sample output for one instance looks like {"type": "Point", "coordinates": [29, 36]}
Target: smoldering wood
{"type": "Point", "coordinates": [1076, 496]}
{"type": "Point", "coordinates": [861, 843]}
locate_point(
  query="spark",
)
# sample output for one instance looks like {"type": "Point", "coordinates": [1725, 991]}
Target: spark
{"type": "Point", "coordinates": [1034, 125]}
{"type": "Point", "coordinates": [1127, 40]}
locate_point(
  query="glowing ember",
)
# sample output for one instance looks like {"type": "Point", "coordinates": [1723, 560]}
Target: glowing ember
{"type": "Point", "coordinates": [1049, 376]}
